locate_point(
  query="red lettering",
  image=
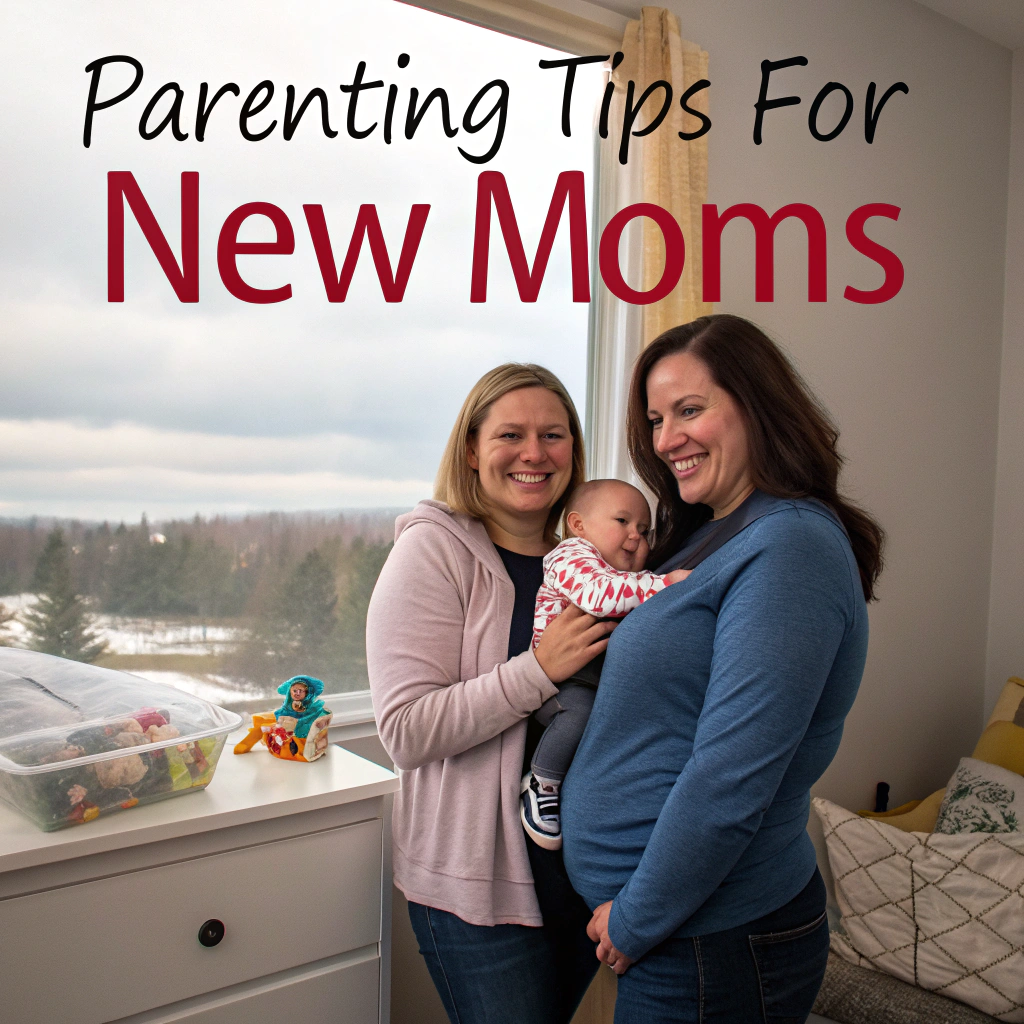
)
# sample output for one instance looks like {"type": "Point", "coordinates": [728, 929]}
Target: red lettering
{"type": "Point", "coordinates": [885, 258]}
{"type": "Point", "coordinates": [764, 231]}
{"type": "Point", "coordinates": [184, 279]}
{"type": "Point", "coordinates": [367, 224]}
{"type": "Point", "coordinates": [675, 254]}
{"type": "Point", "coordinates": [229, 247]}
{"type": "Point", "coordinates": [491, 187]}
{"type": "Point", "coordinates": [569, 187]}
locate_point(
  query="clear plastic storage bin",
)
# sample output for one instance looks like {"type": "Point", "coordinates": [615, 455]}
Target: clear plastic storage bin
{"type": "Point", "coordinates": [78, 742]}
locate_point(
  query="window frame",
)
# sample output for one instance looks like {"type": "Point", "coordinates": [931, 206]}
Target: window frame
{"type": "Point", "coordinates": [575, 26]}
{"type": "Point", "coordinates": [580, 28]}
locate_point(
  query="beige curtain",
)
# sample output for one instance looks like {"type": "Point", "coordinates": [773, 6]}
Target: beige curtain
{"type": "Point", "coordinates": [668, 172]}
{"type": "Point", "coordinates": [673, 172]}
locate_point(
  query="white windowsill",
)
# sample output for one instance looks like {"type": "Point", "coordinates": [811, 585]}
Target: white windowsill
{"type": "Point", "coordinates": [353, 715]}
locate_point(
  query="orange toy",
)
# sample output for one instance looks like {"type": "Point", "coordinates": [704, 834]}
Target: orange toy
{"type": "Point", "coordinates": [297, 731]}
{"type": "Point", "coordinates": [262, 723]}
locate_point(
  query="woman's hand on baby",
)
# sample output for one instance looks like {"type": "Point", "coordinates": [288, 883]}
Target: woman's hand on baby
{"type": "Point", "coordinates": [676, 576]}
{"type": "Point", "coordinates": [597, 930]}
{"type": "Point", "coordinates": [570, 642]}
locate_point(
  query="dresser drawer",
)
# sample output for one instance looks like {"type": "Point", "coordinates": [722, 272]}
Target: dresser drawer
{"type": "Point", "coordinates": [346, 993]}
{"type": "Point", "coordinates": [105, 949]}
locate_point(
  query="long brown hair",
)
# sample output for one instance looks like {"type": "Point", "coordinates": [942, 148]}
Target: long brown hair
{"type": "Point", "coordinates": [792, 440]}
{"type": "Point", "coordinates": [457, 484]}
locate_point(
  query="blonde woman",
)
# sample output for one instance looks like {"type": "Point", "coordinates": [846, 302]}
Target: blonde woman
{"type": "Point", "coordinates": [454, 682]}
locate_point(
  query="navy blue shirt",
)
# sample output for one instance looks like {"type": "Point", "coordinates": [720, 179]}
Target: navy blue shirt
{"type": "Point", "coordinates": [527, 574]}
{"type": "Point", "coordinates": [721, 702]}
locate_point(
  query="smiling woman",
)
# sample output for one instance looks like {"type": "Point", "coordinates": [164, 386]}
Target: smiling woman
{"type": "Point", "coordinates": [699, 434]}
{"type": "Point", "coordinates": [706, 898]}
{"type": "Point", "coordinates": [716, 410]}
{"type": "Point", "coordinates": [454, 678]}
{"type": "Point", "coordinates": [514, 455]}
{"type": "Point", "coordinates": [522, 455]}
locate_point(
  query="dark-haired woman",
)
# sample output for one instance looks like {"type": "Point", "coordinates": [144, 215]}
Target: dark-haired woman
{"type": "Point", "coordinates": [722, 700]}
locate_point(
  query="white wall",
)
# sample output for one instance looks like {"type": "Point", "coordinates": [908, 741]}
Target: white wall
{"type": "Point", "coordinates": [1006, 615]}
{"type": "Point", "coordinates": [914, 383]}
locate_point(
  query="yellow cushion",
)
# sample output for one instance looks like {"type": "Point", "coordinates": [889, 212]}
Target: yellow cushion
{"type": "Point", "coordinates": [920, 817]}
{"type": "Point", "coordinates": [902, 809]}
{"type": "Point", "coordinates": [1002, 743]}
{"type": "Point", "coordinates": [1010, 706]}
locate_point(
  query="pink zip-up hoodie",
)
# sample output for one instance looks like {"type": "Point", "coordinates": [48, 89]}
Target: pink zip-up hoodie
{"type": "Point", "coordinates": [451, 709]}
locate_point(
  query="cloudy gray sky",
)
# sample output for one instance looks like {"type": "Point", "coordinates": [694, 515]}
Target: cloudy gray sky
{"type": "Point", "coordinates": [109, 410]}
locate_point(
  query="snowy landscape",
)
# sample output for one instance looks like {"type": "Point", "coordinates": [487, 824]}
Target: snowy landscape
{"type": "Point", "coordinates": [225, 609]}
{"type": "Point", "coordinates": [136, 642]}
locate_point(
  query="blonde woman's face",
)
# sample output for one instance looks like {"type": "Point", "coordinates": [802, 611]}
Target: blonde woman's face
{"type": "Point", "coordinates": [523, 453]}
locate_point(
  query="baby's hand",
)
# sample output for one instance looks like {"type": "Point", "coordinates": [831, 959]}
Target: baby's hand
{"type": "Point", "coordinates": [676, 576]}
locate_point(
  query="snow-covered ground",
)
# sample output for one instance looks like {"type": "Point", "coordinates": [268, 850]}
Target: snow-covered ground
{"type": "Point", "coordinates": [129, 635]}
{"type": "Point", "coordinates": [216, 689]}
{"type": "Point", "coordinates": [154, 636]}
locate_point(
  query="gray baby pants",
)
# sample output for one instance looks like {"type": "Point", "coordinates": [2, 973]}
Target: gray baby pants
{"type": "Point", "coordinates": [564, 717]}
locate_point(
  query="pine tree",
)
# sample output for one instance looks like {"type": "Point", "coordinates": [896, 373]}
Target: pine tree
{"type": "Point", "coordinates": [59, 623]}
{"type": "Point", "coordinates": [295, 637]}
{"type": "Point", "coordinates": [6, 618]}
{"type": "Point", "coordinates": [306, 618]}
{"type": "Point", "coordinates": [349, 644]}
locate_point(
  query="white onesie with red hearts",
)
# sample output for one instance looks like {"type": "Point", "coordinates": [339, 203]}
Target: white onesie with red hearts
{"type": "Point", "coordinates": [575, 573]}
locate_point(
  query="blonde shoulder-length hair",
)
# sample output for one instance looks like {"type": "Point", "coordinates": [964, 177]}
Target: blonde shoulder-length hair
{"type": "Point", "coordinates": [457, 484]}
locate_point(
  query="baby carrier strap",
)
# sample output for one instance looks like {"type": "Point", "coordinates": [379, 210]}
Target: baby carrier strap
{"type": "Point", "coordinates": [758, 504]}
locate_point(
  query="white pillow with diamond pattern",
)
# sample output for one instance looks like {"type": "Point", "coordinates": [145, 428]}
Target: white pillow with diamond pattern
{"type": "Point", "coordinates": [944, 912]}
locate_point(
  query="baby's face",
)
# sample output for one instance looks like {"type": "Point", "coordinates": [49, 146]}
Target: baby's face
{"type": "Point", "coordinates": [616, 522]}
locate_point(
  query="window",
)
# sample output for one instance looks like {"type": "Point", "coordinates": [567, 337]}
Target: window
{"type": "Point", "coordinates": [225, 474]}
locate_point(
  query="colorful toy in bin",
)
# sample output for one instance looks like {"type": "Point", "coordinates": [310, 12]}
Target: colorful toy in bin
{"type": "Point", "coordinates": [79, 742]}
{"type": "Point", "coordinates": [297, 730]}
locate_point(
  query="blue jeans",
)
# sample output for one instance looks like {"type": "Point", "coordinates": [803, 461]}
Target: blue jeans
{"type": "Point", "coordinates": [765, 972]}
{"type": "Point", "coordinates": [508, 973]}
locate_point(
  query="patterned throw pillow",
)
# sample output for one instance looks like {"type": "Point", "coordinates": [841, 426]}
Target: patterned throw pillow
{"type": "Point", "coordinates": [944, 912]}
{"type": "Point", "coordinates": [982, 797]}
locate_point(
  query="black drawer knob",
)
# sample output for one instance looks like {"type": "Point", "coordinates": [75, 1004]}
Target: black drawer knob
{"type": "Point", "coordinates": [211, 932]}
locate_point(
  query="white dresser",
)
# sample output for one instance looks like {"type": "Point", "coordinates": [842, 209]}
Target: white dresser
{"type": "Point", "coordinates": [281, 867]}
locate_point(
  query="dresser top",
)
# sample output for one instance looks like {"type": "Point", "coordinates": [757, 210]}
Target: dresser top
{"type": "Point", "coordinates": [245, 788]}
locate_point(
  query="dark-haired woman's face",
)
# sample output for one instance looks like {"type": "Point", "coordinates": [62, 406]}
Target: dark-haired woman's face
{"type": "Point", "coordinates": [699, 431]}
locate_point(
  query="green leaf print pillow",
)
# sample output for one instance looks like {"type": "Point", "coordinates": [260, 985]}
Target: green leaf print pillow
{"type": "Point", "coordinates": [982, 797]}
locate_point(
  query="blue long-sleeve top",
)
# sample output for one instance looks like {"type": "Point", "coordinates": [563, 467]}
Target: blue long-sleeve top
{"type": "Point", "coordinates": [721, 702]}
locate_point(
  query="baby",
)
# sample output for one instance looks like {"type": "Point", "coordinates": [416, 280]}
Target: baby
{"type": "Point", "coordinates": [598, 568]}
